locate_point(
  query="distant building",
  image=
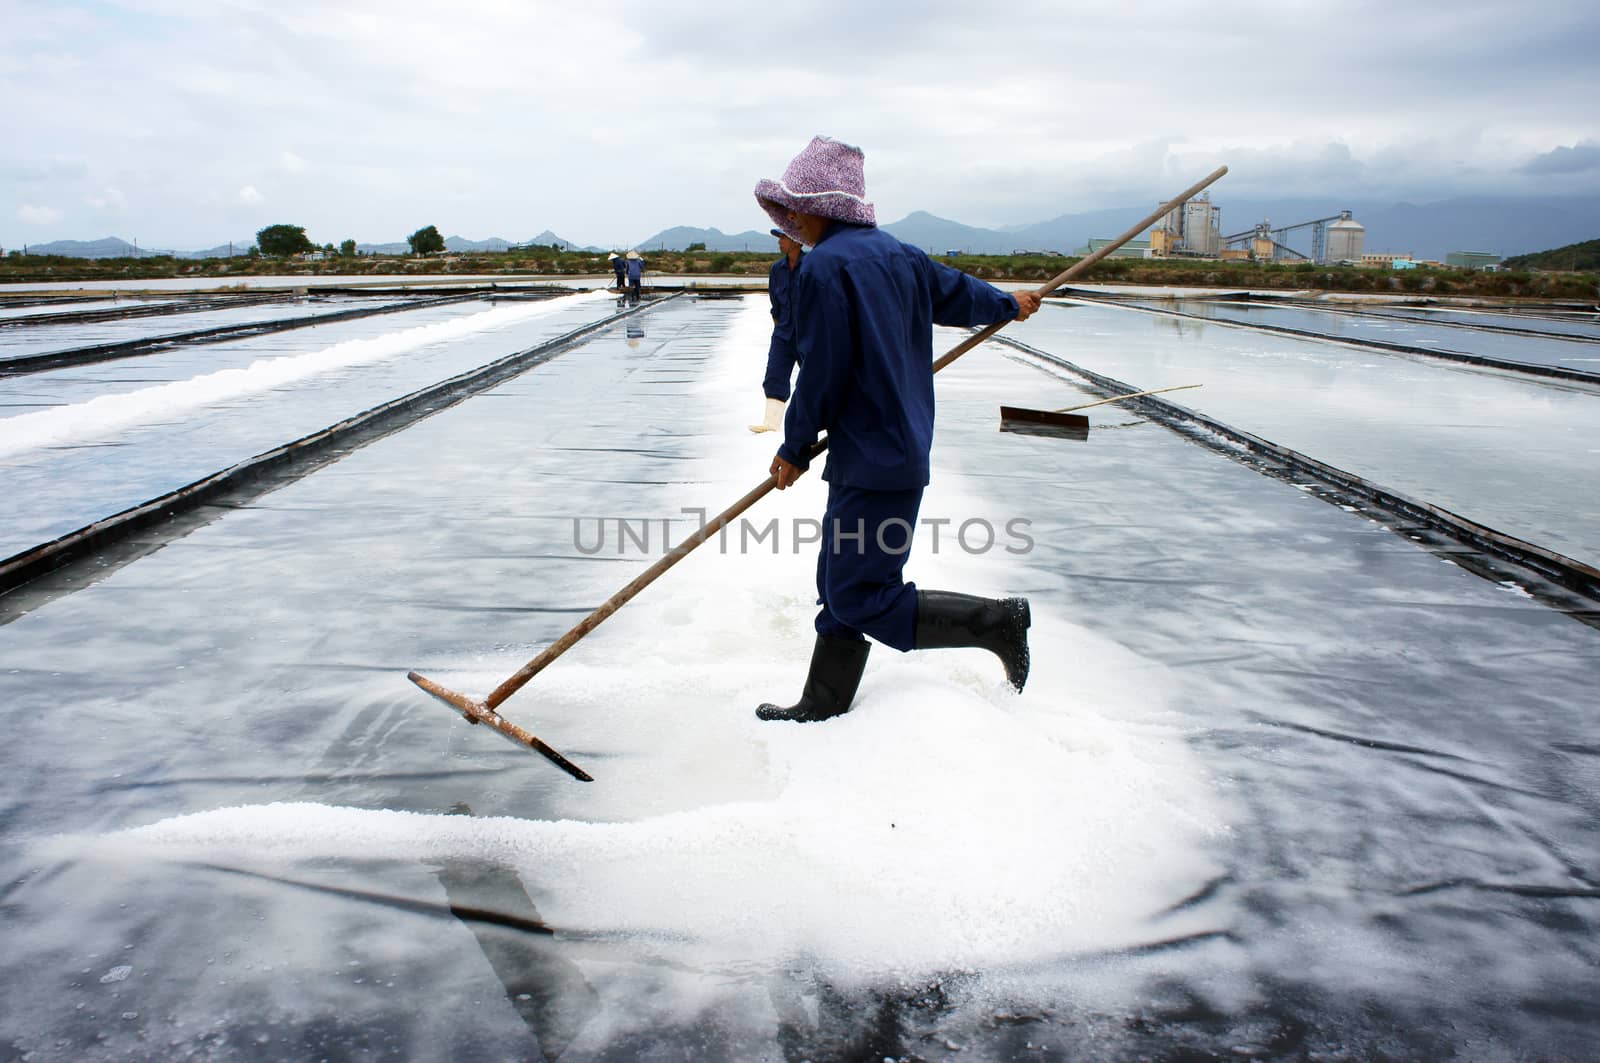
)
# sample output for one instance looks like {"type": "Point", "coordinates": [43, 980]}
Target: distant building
{"type": "Point", "coordinates": [1386, 260]}
{"type": "Point", "coordinates": [1202, 227]}
{"type": "Point", "coordinates": [1131, 249]}
{"type": "Point", "coordinates": [1193, 229]}
{"type": "Point", "coordinates": [1263, 248]}
{"type": "Point", "coordinates": [1344, 239]}
{"type": "Point", "coordinates": [1471, 260]}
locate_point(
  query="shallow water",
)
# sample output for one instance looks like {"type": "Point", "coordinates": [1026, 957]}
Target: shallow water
{"type": "Point", "coordinates": [44, 338]}
{"type": "Point", "coordinates": [128, 434]}
{"type": "Point", "coordinates": [9, 313]}
{"type": "Point", "coordinates": [1567, 351]}
{"type": "Point", "coordinates": [1584, 326]}
{"type": "Point", "coordinates": [1282, 783]}
{"type": "Point", "coordinates": [1516, 453]}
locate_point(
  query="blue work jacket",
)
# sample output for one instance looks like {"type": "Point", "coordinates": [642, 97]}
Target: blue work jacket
{"type": "Point", "coordinates": [780, 280]}
{"type": "Point", "coordinates": [635, 270]}
{"type": "Point", "coordinates": [864, 309]}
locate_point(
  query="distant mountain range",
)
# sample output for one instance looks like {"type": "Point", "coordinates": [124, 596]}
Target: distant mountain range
{"type": "Point", "coordinates": [1502, 225]}
{"type": "Point", "coordinates": [680, 237]}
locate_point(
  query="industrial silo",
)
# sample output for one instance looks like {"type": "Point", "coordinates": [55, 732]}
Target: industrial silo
{"type": "Point", "coordinates": [1201, 225]}
{"type": "Point", "coordinates": [1345, 239]}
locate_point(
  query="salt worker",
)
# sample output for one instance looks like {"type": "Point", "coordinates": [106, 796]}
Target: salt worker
{"type": "Point", "coordinates": [635, 273]}
{"type": "Point", "coordinates": [864, 309]}
{"type": "Point", "coordinates": [618, 267]}
{"type": "Point", "coordinates": [780, 352]}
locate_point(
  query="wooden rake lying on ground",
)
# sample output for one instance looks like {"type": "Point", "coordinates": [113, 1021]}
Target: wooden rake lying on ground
{"type": "Point", "coordinates": [485, 710]}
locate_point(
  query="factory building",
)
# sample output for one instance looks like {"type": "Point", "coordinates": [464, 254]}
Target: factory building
{"type": "Point", "coordinates": [1193, 229]}
{"type": "Point", "coordinates": [1472, 260]}
{"type": "Point", "coordinates": [1131, 249]}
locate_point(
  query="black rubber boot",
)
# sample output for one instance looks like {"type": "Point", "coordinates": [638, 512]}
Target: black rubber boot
{"type": "Point", "coordinates": [836, 667]}
{"type": "Point", "coordinates": [946, 620]}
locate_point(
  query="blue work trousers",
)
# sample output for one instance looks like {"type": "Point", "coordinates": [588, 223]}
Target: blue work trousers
{"type": "Point", "coordinates": [866, 541]}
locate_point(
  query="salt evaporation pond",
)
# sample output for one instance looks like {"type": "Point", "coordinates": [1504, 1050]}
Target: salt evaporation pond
{"type": "Point", "coordinates": [1572, 352]}
{"type": "Point", "coordinates": [1282, 783]}
{"type": "Point", "coordinates": [22, 340]}
{"type": "Point", "coordinates": [1515, 452]}
{"type": "Point", "coordinates": [122, 439]}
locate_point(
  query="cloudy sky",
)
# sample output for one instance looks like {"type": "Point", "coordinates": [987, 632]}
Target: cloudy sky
{"type": "Point", "coordinates": [187, 123]}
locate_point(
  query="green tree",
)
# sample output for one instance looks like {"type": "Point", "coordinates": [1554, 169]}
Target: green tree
{"type": "Point", "coordinates": [281, 241]}
{"type": "Point", "coordinates": [695, 247]}
{"type": "Point", "coordinates": [425, 241]}
{"type": "Point", "coordinates": [347, 249]}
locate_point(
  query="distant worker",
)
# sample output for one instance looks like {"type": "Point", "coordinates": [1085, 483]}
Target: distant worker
{"type": "Point", "coordinates": [635, 276]}
{"type": "Point", "coordinates": [864, 309]}
{"type": "Point", "coordinates": [618, 265]}
{"type": "Point", "coordinates": [780, 352]}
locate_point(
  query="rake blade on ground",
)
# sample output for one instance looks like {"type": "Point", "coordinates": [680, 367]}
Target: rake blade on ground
{"type": "Point", "coordinates": [1023, 421]}
{"type": "Point", "coordinates": [477, 712]}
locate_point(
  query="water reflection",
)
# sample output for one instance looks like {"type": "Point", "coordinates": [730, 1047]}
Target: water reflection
{"type": "Point", "coordinates": [548, 990]}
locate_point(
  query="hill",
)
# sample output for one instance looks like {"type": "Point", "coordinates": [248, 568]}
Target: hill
{"type": "Point", "coordinates": [461, 243]}
{"type": "Point", "coordinates": [106, 247]}
{"type": "Point", "coordinates": [550, 239]}
{"type": "Point", "coordinates": [1574, 257]}
{"type": "Point", "coordinates": [681, 236]}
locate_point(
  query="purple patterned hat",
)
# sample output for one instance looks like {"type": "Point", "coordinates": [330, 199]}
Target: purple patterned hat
{"type": "Point", "coordinates": [827, 179]}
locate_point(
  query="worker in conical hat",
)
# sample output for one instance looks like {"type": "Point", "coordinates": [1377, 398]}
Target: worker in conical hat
{"type": "Point", "coordinates": [864, 309]}
{"type": "Point", "coordinates": [635, 275]}
{"type": "Point", "coordinates": [618, 265]}
{"type": "Point", "coordinates": [780, 351]}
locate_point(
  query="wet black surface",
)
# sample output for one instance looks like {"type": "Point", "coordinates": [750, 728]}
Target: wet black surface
{"type": "Point", "coordinates": [1406, 753]}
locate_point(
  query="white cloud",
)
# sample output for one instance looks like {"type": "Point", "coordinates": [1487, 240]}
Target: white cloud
{"type": "Point", "coordinates": [249, 196]}
{"type": "Point", "coordinates": [107, 198]}
{"type": "Point", "coordinates": [292, 162]}
{"type": "Point", "coordinates": [39, 215]}
{"type": "Point", "coordinates": [1565, 159]}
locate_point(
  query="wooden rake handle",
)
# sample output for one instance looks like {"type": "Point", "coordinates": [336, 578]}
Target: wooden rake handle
{"type": "Point", "coordinates": [484, 711]}
{"type": "Point", "coordinates": [1086, 262]}
{"type": "Point", "coordinates": [1130, 395]}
